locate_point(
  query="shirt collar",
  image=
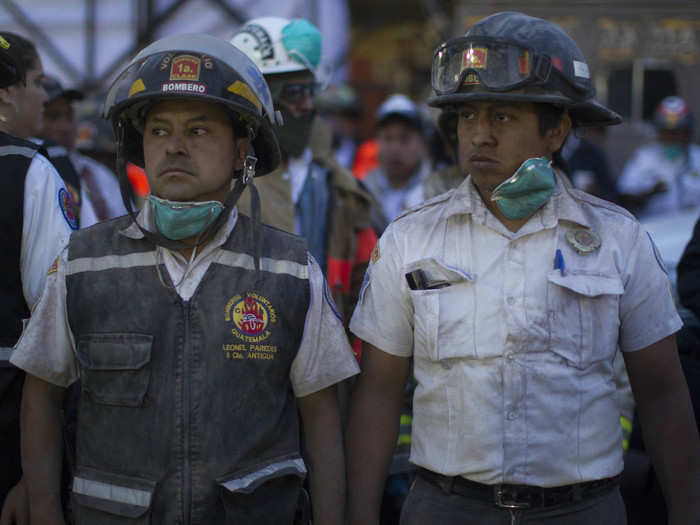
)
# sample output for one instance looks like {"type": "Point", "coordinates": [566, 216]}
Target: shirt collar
{"type": "Point", "coordinates": [146, 220]}
{"type": "Point", "coordinates": [561, 206]}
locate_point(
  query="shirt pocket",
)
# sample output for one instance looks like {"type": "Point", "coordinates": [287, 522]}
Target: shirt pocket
{"type": "Point", "coordinates": [443, 318]}
{"type": "Point", "coordinates": [584, 316]}
{"type": "Point", "coordinates": [246, 495]}
{"type": "Point", "coordinates": [101, 498]}
{"type": "Point", "coordinates": [115, 368]}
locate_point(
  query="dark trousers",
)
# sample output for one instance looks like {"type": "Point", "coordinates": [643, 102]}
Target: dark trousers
{"type": "Point", "coordinates": [428, 503]}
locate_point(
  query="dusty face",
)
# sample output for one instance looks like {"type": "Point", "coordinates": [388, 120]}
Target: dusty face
{"type": "Point", "coordinates": [496, 137]}
{"type": "Point", "coordinates": [401, 150]}
{"type": "Point", "coordinates": [190, 150]}
{"type": "Point", "coordinates": [58, 123]}
{"type": "Point", "coordinates": [28, 101]}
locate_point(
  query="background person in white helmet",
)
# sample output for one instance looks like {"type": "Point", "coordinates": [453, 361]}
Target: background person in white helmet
{"type": "Point", "coordinates": [34, 227]}
{"type": "Point", "coordinates": [512, 294]}
{"type": "Point", "coordinates": [665, 175]}
{"type": "Point", "coordinates": [199, 335]}
{"type": "Point", "coordinates": [310, 194]}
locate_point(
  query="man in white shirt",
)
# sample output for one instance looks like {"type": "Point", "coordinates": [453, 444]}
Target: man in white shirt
{"type": "Point", "coordinates": [197, 333]}
{"type": "Point", "coordinates": [664, 176]}
{"type": "Point", "coordinates": [36, 219]}
{"type": "Point", "coordinates": [512, 294]}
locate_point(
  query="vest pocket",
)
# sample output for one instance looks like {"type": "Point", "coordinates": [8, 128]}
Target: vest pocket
{"type": "Point", "coordinates": [247, 495]}
{"type": "Point", "coordinates": [583, 312]}
{"type": "Point", "coordinates": [115, 368]}
{"type": "Point", "coordinates": [101, 498]}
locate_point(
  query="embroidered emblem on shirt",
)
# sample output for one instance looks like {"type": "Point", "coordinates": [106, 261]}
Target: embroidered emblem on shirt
{"type": "Point", "coordinates": [252, 317]}
{"type": "Point", "coordinates": [584, 241]}
{"type": "Point", "coordinates": [375, 254]}
{"type": "Point", "coordinates": [64, 202]}
{"type": "Point", "coordinates": [54, 267]}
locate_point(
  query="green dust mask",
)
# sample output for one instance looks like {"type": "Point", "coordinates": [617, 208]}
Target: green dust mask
{"type": "Point", "coordinates": [181, 220]}
{"type": "Point", "coordinates": [524, 192]}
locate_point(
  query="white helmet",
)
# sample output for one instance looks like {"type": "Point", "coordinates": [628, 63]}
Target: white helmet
{"type": "Point", "coordinates": [278, 45]}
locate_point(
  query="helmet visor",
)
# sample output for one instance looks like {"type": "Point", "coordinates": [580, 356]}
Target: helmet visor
{"type": "Point", "coordinates": [497, 65]}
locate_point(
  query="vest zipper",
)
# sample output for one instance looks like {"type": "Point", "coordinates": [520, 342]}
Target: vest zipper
{"type": "Point", "coordinates": [186, 401]}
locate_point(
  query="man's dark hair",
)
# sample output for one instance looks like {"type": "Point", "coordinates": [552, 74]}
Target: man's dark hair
{"type": "Point", "coordinates": [21, 51]}
{"type": "Point", "coordinates": [549, 116]}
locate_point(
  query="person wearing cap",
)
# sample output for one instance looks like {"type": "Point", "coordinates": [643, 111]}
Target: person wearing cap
{"type": "Point", "coordinates": [36, 224]}
{"type": "Point", "coordinates": [201, 337]}
{"type": "Point", "coordinates": [665, 175]}
{"type": "Point", "coordinates": [100, 196]}
{"type": "Point", "coordinates": [513, 293]}
{"type": "Point", "coordinates": [310, 194]}
{"type": "Point", "coordinates": [403, 159]}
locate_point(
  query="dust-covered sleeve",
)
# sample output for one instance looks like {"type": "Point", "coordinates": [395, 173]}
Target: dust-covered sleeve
{"type": "Point", "coordinates": [324, 357]}
{"type": "Point", "coordinates": [647, 309]}
{"type": "Point", "coordinates": [384, 313]}
{"type": "Point", "coordinates": [46, 347]}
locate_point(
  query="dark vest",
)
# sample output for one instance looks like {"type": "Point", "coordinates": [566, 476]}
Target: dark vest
{"type": "Point", "coordinates": [15, 157]}
{"type": "Point", "coordinates": [186, 406]}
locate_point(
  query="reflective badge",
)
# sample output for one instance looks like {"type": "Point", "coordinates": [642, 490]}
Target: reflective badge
{"type": "Point", "coordinates": [185, 67]}
{"type": "Point", "coordinates": [475, 58]}
{"type": "Point", "coordinates": [242, 90]}
{"type": "Point", "coordinates": [584, 241]}
{"type": "Point", "coordinates": [54, 267]}
{"type": "Point", "coordinates": [137, 87]}
{"type": "Point", "coordinates": [252, 317]}
{"type": "Point", "coordinates": [4, 43]}
{"type": "Point", "coordinates": [66, 206]}
{"type": "Point", "coordinates": [471, 79]}
{"type": "Point", "coordinates": [524, 64]}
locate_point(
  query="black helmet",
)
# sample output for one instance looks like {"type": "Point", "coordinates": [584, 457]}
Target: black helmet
{"type": "Point", "coordinates": [199, 67]}
{"type": "Point", "coordinates": [512, 56]}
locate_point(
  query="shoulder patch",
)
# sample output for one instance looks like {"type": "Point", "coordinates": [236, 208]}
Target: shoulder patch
{"type": "Point", "coordinates": [66, 205]}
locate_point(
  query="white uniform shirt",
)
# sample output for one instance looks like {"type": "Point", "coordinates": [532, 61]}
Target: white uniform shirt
{"type": "Point", "coordinates": [514, 359]}
{"type": "Point", "coordinates": [649, 166]}
{"type": "Point", "coordinates": [47, 347]}
{"type": "Point", "coordinates": [45, 229]}
{"type": "Point", "coordinates": [107, 186]}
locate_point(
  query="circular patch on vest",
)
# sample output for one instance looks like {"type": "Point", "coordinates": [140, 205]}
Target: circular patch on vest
{"type": "Point", "coordinates": [252, 315]}
{"type": "Point", "coordinates": [66, 205]}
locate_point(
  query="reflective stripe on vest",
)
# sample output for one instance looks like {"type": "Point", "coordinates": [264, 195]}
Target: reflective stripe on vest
{"type": "Point", "coordinates": [109, 492]}
{"type": "Point", "coordinates": [5, 353]}
{"type": "Point", "coordinates": [233, 259]}
{"type": "Point", "coordinates": [17, 150]}
{"type": "Point", "coordinates": [250, 482]}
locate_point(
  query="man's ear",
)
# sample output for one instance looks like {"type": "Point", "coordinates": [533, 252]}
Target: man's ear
{"type": "Point", "coordinates": [7, 96]}
{"type": "Point", "coordinates": [240, 146]}
{"type": "Point", "coordinates": [557, 134]}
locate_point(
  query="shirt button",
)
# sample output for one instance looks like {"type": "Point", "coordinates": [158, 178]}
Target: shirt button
{"type": "Point", "coordinates": [512, 415]}
{"type": "Point", "coordinates": [510, 356]}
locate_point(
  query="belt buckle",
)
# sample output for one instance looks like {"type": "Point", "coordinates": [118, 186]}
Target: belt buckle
{"type": "Point", "coordinates": [511, 504]}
